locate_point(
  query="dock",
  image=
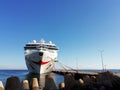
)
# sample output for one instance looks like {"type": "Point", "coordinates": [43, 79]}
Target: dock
{"type": "Point", "coordinates": [63, 72]}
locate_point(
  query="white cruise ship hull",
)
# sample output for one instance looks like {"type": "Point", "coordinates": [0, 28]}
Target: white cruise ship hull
{"type": "Point", "coordinates": [40, 61]}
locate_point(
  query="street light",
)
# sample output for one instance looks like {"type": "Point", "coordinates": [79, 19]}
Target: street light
{"type": "Point", "coordinates": [101, 54]}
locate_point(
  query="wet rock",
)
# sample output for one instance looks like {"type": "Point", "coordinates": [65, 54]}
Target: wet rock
{"type": "Point", "coordinates": [93, 78]}
{"type": "Point", "coordinates": [70, 82]}
{"type": "Point", "coordinates": [103, 81]}
{"type": "Point", "coordinates": [87, 80]}
{"type": "Point", "coordinates": [102, 88]}
{"type": "Point", "coordinates": [13, 83]}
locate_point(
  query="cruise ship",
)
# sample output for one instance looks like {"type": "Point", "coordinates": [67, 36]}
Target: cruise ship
{"type": "Point", "coordinates": [40, 56]}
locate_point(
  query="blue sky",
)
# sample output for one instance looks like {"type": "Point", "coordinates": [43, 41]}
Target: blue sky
{"type": "Point", "coordinates": [80, 28]}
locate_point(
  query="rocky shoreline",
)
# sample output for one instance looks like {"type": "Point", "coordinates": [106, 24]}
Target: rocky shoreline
{"type": "Point", "coordinates": [72, 81]}
{"type": "Point", "coordinates": [103, 81]}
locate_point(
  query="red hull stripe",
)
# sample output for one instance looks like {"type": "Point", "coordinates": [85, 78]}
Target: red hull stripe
{"type": "Point", "coordinates": [42, 63]}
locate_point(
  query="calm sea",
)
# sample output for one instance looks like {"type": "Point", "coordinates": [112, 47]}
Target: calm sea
{"type": "Point", "coordinates": [4, 74]}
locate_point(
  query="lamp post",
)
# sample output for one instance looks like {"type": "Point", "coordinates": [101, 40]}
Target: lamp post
{"type": "Point", "coordinates": [101, 54]}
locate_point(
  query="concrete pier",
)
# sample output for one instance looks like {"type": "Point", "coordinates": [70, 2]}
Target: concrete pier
{"type": "Point", "coordinates": [62, 72]}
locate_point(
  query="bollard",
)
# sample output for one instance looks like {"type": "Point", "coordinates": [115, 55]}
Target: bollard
{"type": "Point", "coordinates": [61, 86]}
{"type": "Point", "coordinates": [25, 85]}
{"type": "Point", "coordinates": [35, 85]}
{"type": "Point", "coordinates": [1, 86]}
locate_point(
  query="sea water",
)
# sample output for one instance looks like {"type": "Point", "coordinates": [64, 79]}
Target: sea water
{"type": "Point", "coordinates": [4, 74]}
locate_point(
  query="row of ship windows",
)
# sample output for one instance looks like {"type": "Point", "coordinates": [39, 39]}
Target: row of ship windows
{"type": "Point", "coordinates": [37, 48]}
{"type": "Point", "coordinates": [41, 45]}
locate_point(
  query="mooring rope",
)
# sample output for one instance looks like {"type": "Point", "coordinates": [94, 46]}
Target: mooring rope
{"type": "Point", "coordinates": [65, 67]}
